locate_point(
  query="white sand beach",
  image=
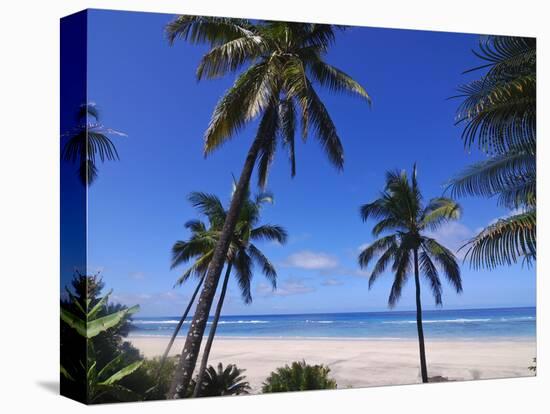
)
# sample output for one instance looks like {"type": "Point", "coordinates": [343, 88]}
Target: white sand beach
{"type": "Point", "coordinates": [364, 363]}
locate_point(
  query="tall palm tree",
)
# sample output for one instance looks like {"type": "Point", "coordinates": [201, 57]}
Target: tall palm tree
{"type": "Point", "coordinates": [88, 142]}
{"type": "Point", "coordinates": [241, 257]}
{"type": "Point", "coordinates": [404, 217]}
{"type": "Point", "coordinates": [277, 64]}
{"type": "Point", "coordinates": [499, 114]}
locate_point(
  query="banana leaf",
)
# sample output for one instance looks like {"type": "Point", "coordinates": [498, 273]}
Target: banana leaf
{"type": "Point", "coordinates": [74, 322]}
{"type": "Point", "coordinates": [124, 372]}
{"type": "Point", "coordinates": [96, 326]}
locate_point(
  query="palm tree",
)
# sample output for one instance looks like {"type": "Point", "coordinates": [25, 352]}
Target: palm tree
{"type": "Point", "coordinates": [404, 217]}
{"type": "Point", "coordinates": [499, 114]}
{"type": "Point", "coordinates": [224, 381]}
{"type": "Point", "coordinates": [280, 61]}
{"type": "Point", "coordinates": [241, 256]}
{"type": "Point", "coordinates": [88, 142]}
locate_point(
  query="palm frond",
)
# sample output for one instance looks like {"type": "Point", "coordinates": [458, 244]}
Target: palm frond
{"type": "Point", "coordinates": [183, 251]}
{"type": "Point", "coordinates": [267, 135]}
{"type": "Point", "coordinates": [195, 226]}
{"type": "Point", "coordinates": [248, 97]}
{"type": "Point", "coordinates": [336, 80]}
{"type": "Point", "coordinates": [401, 267]}
{"type": "Point", "coordinates": [382, 263]}
{"type": "Point", "coordinates": [230, 56]}
{"type": "Point", "coordinates": [374, 248]}
{"type": "Point", "coordinates": [204, 29]}
{"type": "Point", "coordinates": [438, 211]}
{"type": "Point", "coordinates": [210, 205]}
{"type": "Point", "coordinates": [242, 263]}
{"type": "Point", "coordinates": [268, 269]}
{"type": "Point", "coordinates": [269, 232]}
{"type": "Point", "coordinates": [287, 122]}
{"type": "Point", "coordinates": [504, 242]}
{"type": "Point", "coordinates": [197, 269]}
{"type": "Point", "coordinates": [324, 128]}
{"type": "Point", "coordinates": [496, 175]}
{"type": "Point", "coordinates": [378, 209]}
{"type": "Point", "coordinates": [429, 270]}
{"type": "Point", "coordinates": [445, 259]}
{"type": "Point", "coordinates": [499, 110]}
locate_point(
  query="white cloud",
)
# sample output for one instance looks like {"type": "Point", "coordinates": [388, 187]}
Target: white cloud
{"type": "Point", "coordinates": [145, 300]}
{"type": "Point", "coordinates": [291, 286]}
{"type": "Point", "coordinates": [137, 275]}
{"type": "Point", "coordinates": [453, 235]}
{"type": "Point", "coordinates": [310, 260]}
{"type": "Point", "coordinates": [332, 282]}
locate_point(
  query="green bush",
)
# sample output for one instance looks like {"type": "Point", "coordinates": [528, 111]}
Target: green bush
{"type": "Point", "coordinates": [299, 377]}
{"type": "Point", "coordinates": [148, 382]}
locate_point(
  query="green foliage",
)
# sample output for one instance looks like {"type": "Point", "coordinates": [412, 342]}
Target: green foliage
{"type": "Point", "coordinates": [152, 380]}
{"type": "Point", "coordinates": [93, 328]}
{"type": "Point", "coordinates": [276, 64]}
{"type": "Point", "coordinates": [405, 219]}
{"type": "Point", "coordinates": [104, 385]}
{"type": "Point", "coordinates": [223, 381]}
{"type": "Point", "coordinates": [88, 143]}
{"type": "Point", "coordinates": [499, 115]}
{"type": "Point", "coordinates": [89, 326]}
{"type": "Point", "coordinates": [243, 254]}
{"type": "Point", "coordinates": [299, 376]}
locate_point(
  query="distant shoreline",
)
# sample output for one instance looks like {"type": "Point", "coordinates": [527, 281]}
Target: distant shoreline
{"type": "Point", "coordinates": [131, 337]}
{"type": "Point", "coordinates": [425, 311]}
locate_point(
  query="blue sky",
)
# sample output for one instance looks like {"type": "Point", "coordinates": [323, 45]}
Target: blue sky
{"type": "Point", "coordinates": [138, 206]}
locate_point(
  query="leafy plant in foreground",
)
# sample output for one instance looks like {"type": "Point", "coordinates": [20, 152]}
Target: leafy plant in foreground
{"type": "Point", "coordinates": [87, 318]}
{"type": "Point", "coordinates": [299, 376]}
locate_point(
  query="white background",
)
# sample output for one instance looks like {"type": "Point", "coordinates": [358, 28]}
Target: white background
{"type": "Point", "coordinates": [29, 204]}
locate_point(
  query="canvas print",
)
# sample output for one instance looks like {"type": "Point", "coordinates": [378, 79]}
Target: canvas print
{"type": "Point", "coordinates": [253, 206]}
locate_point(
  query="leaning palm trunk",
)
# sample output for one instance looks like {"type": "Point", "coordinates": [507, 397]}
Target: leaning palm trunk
{"type": "Point", "coordinates": [178, 327]}
{"type": "Point", "coordinates": [212, 334]}
{"type": "Point", "coordinates": [191, 348]}
{"type": "Point", "coordinates": [423, 368]}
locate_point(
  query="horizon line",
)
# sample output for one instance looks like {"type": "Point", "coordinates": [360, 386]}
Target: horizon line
{"type": "Point", "coordinates": [357, 312]}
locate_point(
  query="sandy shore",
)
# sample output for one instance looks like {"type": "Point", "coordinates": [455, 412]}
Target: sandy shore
{"type": "Point", "coordinates": [363, 363]}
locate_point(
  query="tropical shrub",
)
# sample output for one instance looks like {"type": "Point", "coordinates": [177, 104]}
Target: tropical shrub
{"type": "Point", "coordinates": [299, 377]}
{"type": "Point", "coordinates": [152, 380]}
{"type": "Point", "coordinates": [91, 326]}
{"type": "Point", "coordinates": [222, 381]}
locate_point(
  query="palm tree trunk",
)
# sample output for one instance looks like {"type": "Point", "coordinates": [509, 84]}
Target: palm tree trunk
{"type": "Point", "coordinates": [212, 334]}
{"type": "Point", "coordinates": [188, 359]}
{"type": "Point", "coordinates": [423, 368]}
{"type": "Point", "coordinates": [178, 327]}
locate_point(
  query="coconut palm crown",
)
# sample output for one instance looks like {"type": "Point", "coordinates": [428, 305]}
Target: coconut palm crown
{"type": "Point", "coordinates": [406, 221]}
{"type": "Point", "coordinates": [243, 253]}
{"type": "Point", "coordinates": [89, 143]}
{"type": "Point", "coordinates": [282, 61]}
